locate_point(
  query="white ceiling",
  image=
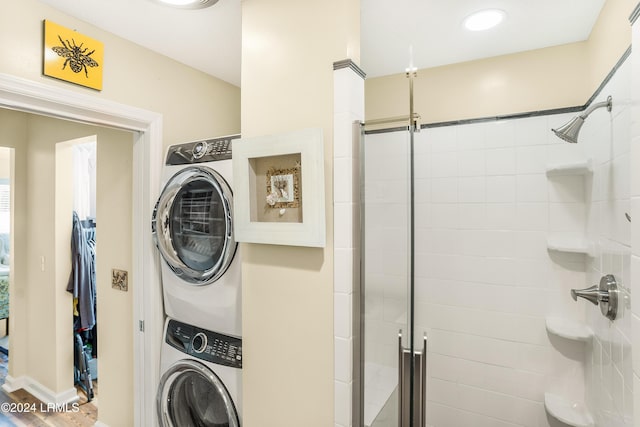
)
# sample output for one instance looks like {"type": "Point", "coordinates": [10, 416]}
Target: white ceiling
{"type": "Point", "coordinates": [434, 29]}
{"type": "Point", "coordinates": [210, 39]}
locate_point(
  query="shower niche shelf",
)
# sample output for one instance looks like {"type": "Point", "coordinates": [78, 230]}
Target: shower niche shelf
{"type": "Point", "coordinates": [571, 413]}
{"type": "Point", "coordinates": [568, 243]}
{"type": "Point", "coordinates": [568, 329]}
{"type": "Point", "coordinates": [577, 167]}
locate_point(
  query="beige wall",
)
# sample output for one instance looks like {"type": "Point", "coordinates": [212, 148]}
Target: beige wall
{"type": "Point", "coordinates": [555, 77]}
{"type": "Point", "coordinates": [115, 308]}
{"type": "Point", "coordinates": [610, 37]}
{"type": "Point", "coordinates": [193, 104]}
{"type": "Point", "coordinates": [44, 298]}
{"type": "Point", "coordinates": [289, 48]}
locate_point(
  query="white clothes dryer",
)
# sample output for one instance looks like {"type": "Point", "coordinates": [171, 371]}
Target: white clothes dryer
{"type": "Point", "coordinates": [193, 229]}
{"type": "Point", "coordinates": [201, 378]}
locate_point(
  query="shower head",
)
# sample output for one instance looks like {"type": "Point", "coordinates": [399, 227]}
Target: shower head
{"type": "Point", "coordinates": [569, 132]}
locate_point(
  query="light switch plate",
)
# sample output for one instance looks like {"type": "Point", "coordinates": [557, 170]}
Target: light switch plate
{"type": "Point", "coordinates": [119, 279]}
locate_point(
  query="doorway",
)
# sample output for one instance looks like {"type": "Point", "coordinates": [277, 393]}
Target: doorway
{"type": "Point", "coordinates": [22, 95]}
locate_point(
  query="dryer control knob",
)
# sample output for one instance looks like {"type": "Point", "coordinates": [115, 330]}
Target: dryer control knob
{"type": "Point", "coordinates": [200, 149]}
{"type": "Point", "coordinates": [199, 342]}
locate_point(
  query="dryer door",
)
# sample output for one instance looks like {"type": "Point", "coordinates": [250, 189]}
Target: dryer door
{"type": "Point", "coordinates": [190, 394]}
{"type": "Point", "coordinates": [193, 225]}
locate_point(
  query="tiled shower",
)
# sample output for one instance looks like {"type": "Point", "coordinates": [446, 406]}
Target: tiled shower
{"type": "Point", "coordinates": [505, 226]}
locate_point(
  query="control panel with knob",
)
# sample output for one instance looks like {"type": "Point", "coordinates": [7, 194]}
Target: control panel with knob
{"type": "Point", "coordinates": [199, 342]}
{"type": "Point", "coordinates": [201, 151]}
{"type": "Point", "coordinates": [205, 345]}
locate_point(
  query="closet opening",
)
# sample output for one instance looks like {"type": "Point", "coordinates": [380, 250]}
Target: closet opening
{"type": "Point", "coordinates": [76, 205]}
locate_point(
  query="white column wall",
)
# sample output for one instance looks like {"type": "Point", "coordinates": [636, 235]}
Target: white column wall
{"type": "Point", "coordinates": [348, 108]}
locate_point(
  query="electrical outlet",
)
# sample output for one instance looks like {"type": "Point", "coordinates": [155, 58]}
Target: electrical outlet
{"type": "Point", "coordinates": [119, 279]}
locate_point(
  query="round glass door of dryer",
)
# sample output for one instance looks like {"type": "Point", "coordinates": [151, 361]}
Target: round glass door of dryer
{"type": "Point", "coordinates": [190, 394]}
{"type": "Point", "coordinates": [193, 225]}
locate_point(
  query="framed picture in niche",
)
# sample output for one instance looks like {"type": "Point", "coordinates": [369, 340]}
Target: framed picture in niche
{"type": "Point", "coordinates": [279, 189]}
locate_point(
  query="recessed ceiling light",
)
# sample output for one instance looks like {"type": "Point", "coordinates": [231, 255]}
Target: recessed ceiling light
{"type": "Point", "coordinates": [187, 4]}
{"type": "Point", "coordinates": [484, 19]}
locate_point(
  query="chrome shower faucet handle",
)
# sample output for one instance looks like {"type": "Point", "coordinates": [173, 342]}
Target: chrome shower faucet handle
{"type": "Point", "coordinates": [604, 294]}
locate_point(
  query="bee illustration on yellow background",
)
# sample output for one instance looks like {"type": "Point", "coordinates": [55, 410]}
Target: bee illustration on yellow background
{"type": "Point", "coordinates": [77, 58]}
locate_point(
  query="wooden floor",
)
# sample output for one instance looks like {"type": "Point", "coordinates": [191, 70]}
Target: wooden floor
{"type": "Point", "coordinates": [36, 414]}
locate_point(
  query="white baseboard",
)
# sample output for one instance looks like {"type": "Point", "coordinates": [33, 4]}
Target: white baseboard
{"type": "Point", "coordinates": [12, 384]}
{"type": "Point", "coordinates": [100, 424]}
{"type": "Point", "coordinates": [39, 391]}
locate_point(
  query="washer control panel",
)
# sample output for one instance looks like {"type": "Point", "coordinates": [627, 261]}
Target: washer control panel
{"type": "Point", "coordinates": [206, 150]}
{"type": "Point", "coordinates": [206, 345]}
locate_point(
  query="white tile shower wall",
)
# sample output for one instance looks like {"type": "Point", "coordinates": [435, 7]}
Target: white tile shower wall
{"type": "Point", "coordinates": [635, 225]}
{"type": "Point", "coordinates": [386, 263]}
{"type": "Point", "coordinates": [386, 245]}
{"type": "Point", "coordinates": [348, 108]}
{"type": "Point", "coordinates": [606, 138]}
{"type": "Point", "coordinates": [485, 280]}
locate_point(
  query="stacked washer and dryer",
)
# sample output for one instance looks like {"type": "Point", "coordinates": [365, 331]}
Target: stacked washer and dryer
{"type": "Point", "coordinates": [201, 356]}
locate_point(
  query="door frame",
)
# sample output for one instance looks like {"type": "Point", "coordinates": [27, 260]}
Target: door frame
{"type": "Point", "coordinates": [38, 98]}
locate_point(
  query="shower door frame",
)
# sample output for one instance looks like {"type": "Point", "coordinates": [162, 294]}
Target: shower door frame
{"type": "Point", "coordinates": [411, 381]}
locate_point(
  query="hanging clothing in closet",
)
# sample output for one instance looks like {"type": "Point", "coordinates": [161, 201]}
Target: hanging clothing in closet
{"type": "Point", "coordinates": [82, 280]}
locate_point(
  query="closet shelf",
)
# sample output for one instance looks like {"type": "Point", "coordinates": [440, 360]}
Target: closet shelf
{"type": "Point", "coordinates": [579, 167]}
{"type": "Point", "coordinates": [568, 329]}
{"type": "Point", "coordinates": [568, 243]}
{"type": "Point", "coordinates": [573, 414]}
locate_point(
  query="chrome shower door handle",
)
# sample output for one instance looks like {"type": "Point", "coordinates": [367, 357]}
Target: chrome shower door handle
{"type": "Point", "coordinates": [604, 294]}
{"type": "Point", "coordinates": [591, 294]}
{"type": "Point", "coordinates": [412, 400]}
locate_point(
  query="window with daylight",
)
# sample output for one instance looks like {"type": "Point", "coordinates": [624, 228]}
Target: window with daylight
{"type": "Point", "coordinates": [5, 206]}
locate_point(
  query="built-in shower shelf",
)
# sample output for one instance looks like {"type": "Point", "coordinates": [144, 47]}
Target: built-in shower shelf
{"type": "Point", "coordinates": [578, 167]}
{"type": "Point", "coordinates": [569, 329]}
{"type": "Point", "coordinates": [571, 413]}
{"type": "Point", "coordinates": [568, 243]}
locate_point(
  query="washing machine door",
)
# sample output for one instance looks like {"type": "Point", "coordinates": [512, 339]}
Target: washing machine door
{"type": "Point", "coordinates": [190, 394]}
{"type": "Point", "coordinates": [193, 225]}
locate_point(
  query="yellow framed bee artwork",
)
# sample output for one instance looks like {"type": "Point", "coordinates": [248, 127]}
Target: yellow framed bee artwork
{"type": "Point", "coordinates": [72, 57]}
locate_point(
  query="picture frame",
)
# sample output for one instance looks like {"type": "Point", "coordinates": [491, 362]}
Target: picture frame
{"type": "Point", "coordinates": [71, 56]}
{"type": "Point", "coordinates": [285, 185]}
{"type": "Point", "coordinates": [279, 194]}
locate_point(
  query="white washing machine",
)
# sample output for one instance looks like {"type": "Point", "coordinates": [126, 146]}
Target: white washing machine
{"type": "Point", "coordinates": [193, 230]}
{"type": "Point", "coordinates": [201, 378]}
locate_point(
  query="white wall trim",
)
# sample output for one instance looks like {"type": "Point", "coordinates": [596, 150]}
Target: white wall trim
{"type": "Point", "coordinates": [34, 97]}
{"type": "Point", "coordinates": [12, 384]}
{"type": "Point", "coordinates": [39, 391]}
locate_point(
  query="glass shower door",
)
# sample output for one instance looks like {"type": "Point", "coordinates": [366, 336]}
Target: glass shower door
{"type": "Point", "coordinates": [386, 272]}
